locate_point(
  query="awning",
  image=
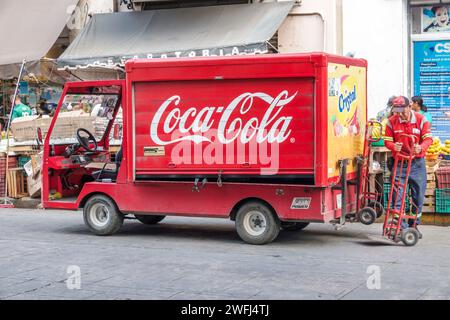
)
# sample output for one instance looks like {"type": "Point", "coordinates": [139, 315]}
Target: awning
{"type": "Point", "coordinates": [44, 70]}
{"type": "Point", "coordinates": [28, 29]}
{"type": "Point", "coordinates": [110, 39]}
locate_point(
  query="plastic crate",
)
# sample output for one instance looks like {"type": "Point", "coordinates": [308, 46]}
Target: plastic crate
{"type": "Point", "coordinates": [22, 160]}
{"type": "Point", "coordinates": [386, 190]}
{"type": "Point", "coordinates": [443, 177]}
{"type": "Point", "coordinates": [443, 200]}
{"type": "Point", "coordinates": [378, 143]}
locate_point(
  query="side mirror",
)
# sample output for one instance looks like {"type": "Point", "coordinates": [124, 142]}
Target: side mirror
{"type": "Point", "coordinates": [39, 137]}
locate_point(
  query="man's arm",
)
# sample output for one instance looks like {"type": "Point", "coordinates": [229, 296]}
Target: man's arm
{"type": "Point", "coordinates": [426, 136]}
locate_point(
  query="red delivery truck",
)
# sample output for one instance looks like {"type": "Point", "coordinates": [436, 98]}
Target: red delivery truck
{"type": "Point", "coordinates": [268, 141]}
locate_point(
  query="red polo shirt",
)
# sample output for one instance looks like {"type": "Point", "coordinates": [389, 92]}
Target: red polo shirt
{"type": "Point", "coordinates": [418, 126]}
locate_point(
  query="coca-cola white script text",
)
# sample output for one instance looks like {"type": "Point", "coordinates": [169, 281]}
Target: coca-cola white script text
{"type": "Point", "coordinates": [272, 127]}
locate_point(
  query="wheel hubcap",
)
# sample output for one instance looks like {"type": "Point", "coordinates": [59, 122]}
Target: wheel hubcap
{"type": "Point", "coordinates": [255, 223]}
{"type": "Point", "coordinates": [409, 237]}
{"type": "Point", "coordinates": [366, 216]}
{"type": "Point", "coordinates": [99, 215]}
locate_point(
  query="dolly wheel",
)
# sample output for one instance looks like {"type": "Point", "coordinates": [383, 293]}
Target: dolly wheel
{"type": "Point", "coordinates": [293, 226]}
{"type": "Point", "coordinates": [410, 237]}
{"type": "Point", "coordinates": [378, 207]}
{"type": "Point", "coordinates": [101, 215]}
{"type": "Point", "coordinates": [367, 216]}
{"type": "Point", "coordinates": [147, 219]}
{"type": "Point", "coordinates": [256, 223]}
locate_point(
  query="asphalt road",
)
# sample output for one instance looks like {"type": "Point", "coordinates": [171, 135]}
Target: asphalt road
{"type": "Point", "coordinates": [52, 255]}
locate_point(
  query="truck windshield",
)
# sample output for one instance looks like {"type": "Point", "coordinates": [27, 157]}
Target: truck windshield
{"type": "Point", "coordinates": [92, 112]}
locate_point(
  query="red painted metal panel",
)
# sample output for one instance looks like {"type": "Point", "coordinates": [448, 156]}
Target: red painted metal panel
{"type": "Point", "coordinates": [273, 116]}
{"type": "Point", "coordinates": [212, 200]}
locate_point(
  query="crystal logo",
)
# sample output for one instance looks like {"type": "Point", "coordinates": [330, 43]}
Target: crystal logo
{"type": "Point", "coordinates": [345, 101]}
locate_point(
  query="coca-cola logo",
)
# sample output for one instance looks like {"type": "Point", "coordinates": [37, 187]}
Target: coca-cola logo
{"type": "Point", "coordinates": [193, 123]}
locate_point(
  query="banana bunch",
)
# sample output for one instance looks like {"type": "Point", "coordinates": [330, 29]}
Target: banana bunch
{"type": "Point", "coordinates": [377, 131]}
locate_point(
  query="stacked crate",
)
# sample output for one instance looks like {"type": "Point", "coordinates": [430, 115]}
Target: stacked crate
{"type": "Point", "coordinates": [12, 163]}
{"type": "Point", "coordinates": [387, 189]}
{"type": "Point", "coordinates": [443, 189]}
{"type": "Point", "coordinates": [430, 199]}
{"type": "Point", "coordinates": [443, 200]}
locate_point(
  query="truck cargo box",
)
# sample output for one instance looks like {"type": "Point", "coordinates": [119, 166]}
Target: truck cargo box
{"type": "Point", "coordinates": [275, 117]}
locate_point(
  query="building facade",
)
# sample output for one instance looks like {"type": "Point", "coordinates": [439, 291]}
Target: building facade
{"type": "Point", "coordinates": [397, 37]}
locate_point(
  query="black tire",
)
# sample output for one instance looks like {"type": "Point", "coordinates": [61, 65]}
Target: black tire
{"type": "Point", "coordinates": [102, 216]}
{"type": "Point", "coordinates": [293, 226]}
{"type": "Point", "coordinates": [367, 216]}
{"type": "Point", "coordinates": [410, 237]}
{"type": "Point", "coordinates": [256, 223]}
{"type": "Point", "coordinates": [149, 219]}
{"type": "Point", "coordinates": [378, 207]}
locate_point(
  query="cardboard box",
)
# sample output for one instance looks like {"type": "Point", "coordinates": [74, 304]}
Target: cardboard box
{"type": "Point", "coordinates": [36, 163]}
{"type": "Point", "coordinates": [25, 128]}
{"type": "Point", "coordinates": [68, 123]}
{"type": "Point", "coordinates": [34, 185]}
{"type": "Point", "coordinates": [28, 168]}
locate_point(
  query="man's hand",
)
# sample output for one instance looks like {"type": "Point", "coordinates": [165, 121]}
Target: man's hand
{"type": "Point", "coordinates": [417, 149]}
{"type": "Point", "coordinates": [398, 146]}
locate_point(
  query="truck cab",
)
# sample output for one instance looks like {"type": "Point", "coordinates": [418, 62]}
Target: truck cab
{"type": "Point", "coordinates": [77, 145]}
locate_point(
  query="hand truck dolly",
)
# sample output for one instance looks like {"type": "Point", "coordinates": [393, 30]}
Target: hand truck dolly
{"type": "Point", "coordinates": [394, 215]}
{"type": "Point", "coordinates": [368, 206]}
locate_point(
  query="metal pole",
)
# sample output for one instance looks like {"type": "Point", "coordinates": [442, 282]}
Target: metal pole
{"type": "Point", "coordinates": [16, 91]}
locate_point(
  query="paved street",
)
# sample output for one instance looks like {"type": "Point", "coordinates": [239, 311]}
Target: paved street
{"type": "Point", "coordinates": [185, 258]}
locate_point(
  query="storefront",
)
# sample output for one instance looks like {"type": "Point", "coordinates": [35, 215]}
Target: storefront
{"type": "Point", "coordinates": [430, 62]}
{"type": "Point", "coordinates": [29, 30]}
{"type": "Point", "coordinates": [109, 40]}
{"type": "Point", "coordinates": [21, 42]}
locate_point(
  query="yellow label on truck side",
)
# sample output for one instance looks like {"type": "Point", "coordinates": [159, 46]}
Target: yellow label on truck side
{"type": "Point", "coordinates": [346, 115]}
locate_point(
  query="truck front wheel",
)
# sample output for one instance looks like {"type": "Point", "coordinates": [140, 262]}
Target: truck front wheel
{"type": "Point", "coordinates": [102, 216]}
{"type": "Point", "coordinates": [256, 224]}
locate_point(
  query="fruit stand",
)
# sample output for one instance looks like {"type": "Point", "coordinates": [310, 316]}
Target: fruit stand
{"type": "Point", "coordinates": [25, 153]}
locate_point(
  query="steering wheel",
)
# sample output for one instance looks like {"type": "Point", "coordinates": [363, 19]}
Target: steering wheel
{"type": "Point", "coordinates": [85, 141]}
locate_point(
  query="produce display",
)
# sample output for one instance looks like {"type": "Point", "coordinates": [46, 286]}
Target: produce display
{"type": "Point", "coordinates": [437, 148]}
{"type": "Point", "coordinates": [445, 149]}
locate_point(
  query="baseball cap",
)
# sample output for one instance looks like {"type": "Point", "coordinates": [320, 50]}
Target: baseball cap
{"type": "Point", "coordinates": [399, 103]}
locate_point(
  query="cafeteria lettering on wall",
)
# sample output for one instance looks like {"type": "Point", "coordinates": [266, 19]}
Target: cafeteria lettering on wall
{"type": "Point", "coordinates": [432, 82]}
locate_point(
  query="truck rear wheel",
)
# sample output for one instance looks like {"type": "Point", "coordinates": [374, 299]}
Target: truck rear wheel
{"type": "Point", "coordinates": [256, 224]}
{"type": "Point", "coordinates": [102, 216]}
{"type": "Point", "coordinates": [149, 219]}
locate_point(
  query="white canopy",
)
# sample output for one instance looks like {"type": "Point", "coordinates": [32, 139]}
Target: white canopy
{"type": "Point", "coordinates": [29, 28]}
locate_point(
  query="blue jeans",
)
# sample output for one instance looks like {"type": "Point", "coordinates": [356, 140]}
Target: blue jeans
{"type": "Point", "coordinates": [417, 182]}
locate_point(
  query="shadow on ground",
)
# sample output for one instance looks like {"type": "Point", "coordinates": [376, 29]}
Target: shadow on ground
{"type": "Point", "coordinates": [222, 233]}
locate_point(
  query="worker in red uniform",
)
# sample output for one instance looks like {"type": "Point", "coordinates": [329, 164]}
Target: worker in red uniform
{"type": "Point", "coordinates": [406, 121]}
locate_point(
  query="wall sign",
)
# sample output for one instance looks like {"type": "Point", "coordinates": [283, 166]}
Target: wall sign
{"type": "Point", "coordinates": [435, 19]}
{"type": "Point", "coordinates": [432, 82]}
